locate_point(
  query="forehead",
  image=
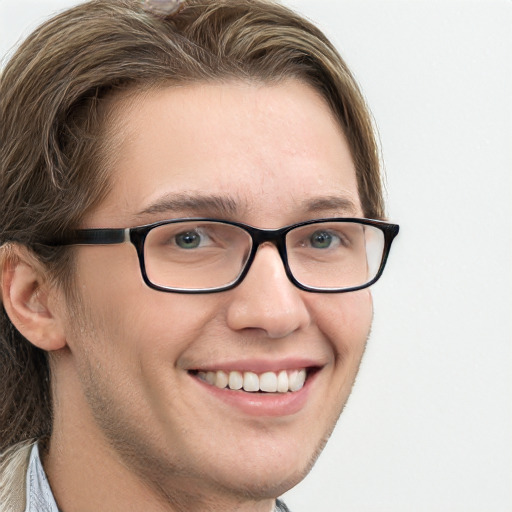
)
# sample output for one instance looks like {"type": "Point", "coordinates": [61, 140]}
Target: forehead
{"type": "Point", "coordinates": [267, 152]}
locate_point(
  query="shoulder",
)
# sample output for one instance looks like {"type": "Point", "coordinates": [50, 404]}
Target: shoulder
{"type": "Point", "coordinates": [13, 470]}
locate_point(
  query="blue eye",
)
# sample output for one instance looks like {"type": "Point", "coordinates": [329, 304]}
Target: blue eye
{"type": "Point", "coordinates": [321, 240]}
{"type": "Point", "coordinates": [188, 240]}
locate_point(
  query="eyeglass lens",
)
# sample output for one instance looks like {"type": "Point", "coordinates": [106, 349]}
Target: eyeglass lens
{"type": "Point", "coordinates": [206, 255]}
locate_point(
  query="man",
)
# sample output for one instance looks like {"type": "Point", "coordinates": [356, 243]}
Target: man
{"type": "Point", "coordinates": [186, 255]}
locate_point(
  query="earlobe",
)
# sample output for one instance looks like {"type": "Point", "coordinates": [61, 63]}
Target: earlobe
{"type": "Point", "coordinates": [28, 300]}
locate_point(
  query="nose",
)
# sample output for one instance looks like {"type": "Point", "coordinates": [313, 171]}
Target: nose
{"type": "Point", "coordinates": [266, 299]}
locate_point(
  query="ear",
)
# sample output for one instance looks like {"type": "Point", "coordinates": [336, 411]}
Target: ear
{"type": "Point", "coordinates": [31, 303]}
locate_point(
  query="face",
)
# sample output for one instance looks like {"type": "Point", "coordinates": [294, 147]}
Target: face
{"type": "Point", "coordinates": [263, 155]}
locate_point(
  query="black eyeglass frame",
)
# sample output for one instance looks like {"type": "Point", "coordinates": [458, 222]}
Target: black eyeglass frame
{"type": "Point", "coordinates": [137, 236]}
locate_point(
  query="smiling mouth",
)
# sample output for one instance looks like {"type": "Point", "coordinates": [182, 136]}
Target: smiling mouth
{"type": "Point", "coordinates": [283, 381]}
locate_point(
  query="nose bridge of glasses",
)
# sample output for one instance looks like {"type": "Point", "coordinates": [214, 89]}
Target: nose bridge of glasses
{"type": "Point", "coordinates": [268, 237]}
{"type": "Point", "coordinates": [274, 237]}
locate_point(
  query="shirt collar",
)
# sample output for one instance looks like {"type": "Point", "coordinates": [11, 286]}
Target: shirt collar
{"type": "Point", "coordinates": [39, 496]}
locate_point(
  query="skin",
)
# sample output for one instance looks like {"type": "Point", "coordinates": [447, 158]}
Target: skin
{"type": "Point", "coordinates": [129, 416]}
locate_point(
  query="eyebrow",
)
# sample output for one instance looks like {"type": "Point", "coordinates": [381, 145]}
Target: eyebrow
{"type": "Point", "coordinates": [224, 206]}
{"type": "Point", "coordinates": [193, 203]}
{"type": "Point", "coordinates": [339, 204]}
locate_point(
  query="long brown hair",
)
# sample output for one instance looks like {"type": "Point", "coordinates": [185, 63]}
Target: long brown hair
{"type": "Point", "coordinates": [55, 97]}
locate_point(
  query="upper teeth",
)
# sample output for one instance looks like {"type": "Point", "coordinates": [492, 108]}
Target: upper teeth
{"type": "Point", "coordinates": [271, 382]}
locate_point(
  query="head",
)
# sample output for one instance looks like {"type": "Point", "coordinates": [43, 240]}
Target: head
{"type": "Point", "coordinates": [85, 105]}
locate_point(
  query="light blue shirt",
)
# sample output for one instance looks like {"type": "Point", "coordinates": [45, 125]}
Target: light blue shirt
{"type": "Point", "coordinates": [39, 496]}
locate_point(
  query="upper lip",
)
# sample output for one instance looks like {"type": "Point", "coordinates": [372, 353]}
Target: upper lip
{"type": "Point", "coordinates": [260, 365]}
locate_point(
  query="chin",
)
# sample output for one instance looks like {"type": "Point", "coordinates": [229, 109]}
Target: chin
{"type": "Point", "coordinates": [272, 473]}
{"type": "Point", "coordinates": [265, 484]}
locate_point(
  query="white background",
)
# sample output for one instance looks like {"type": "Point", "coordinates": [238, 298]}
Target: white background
{"type": "Point", "coordinates": [429, 425]}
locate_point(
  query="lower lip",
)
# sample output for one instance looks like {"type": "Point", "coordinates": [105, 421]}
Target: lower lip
{"type": "Point", "coordinates": [262, 404]}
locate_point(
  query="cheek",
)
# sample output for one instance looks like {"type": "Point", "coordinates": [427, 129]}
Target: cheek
{"type": "Point", "coordinates": [345, 320]}
{"type": "Point", "coordinates": [129, 313]}
{"type": "Point", "coordinates": [170, 324]}
{"type": "Point", "coordinates": [141, 344]}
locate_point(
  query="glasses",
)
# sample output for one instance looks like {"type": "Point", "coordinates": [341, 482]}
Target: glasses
{"type": "Point", "coordinates": [203, 255]}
